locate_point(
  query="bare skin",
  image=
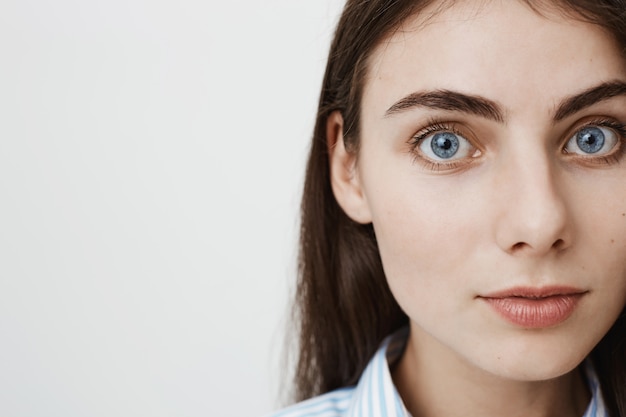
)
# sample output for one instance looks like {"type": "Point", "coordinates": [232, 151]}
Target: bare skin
{"type": "Point", "coordinates": [525, 204]}
{"type": "Point", "coordinates": [426, 383]}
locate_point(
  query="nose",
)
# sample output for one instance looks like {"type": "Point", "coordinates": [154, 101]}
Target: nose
{"type": "Point", "coordinates": [532, 218]}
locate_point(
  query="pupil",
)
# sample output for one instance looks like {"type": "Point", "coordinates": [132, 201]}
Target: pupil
{"type": "Point", "coordinates": [590, 139]}
{"type": "Point", "coordinates": [445, 145]}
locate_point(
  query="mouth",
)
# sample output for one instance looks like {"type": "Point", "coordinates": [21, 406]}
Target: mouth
{"type": "Point", "coordinates": [535, 308]}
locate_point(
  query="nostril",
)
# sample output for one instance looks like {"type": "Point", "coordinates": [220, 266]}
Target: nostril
{"type": "Point", "coordinates": [557, 245]}
{"type": "Point", "coordinates": [518, 246]}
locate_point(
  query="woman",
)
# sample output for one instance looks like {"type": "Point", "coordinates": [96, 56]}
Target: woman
{"type": "Point", "coordinates": [466, 196]}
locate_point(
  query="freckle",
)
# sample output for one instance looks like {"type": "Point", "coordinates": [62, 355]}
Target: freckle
{"type": "Point", "coordinates": [612, 241]}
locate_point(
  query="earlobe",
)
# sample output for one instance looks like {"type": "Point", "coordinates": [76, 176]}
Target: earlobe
{"type": "Point", "coordinates": [344, 177]}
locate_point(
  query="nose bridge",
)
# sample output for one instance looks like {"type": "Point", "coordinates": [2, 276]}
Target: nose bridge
{"type": "Point", "coordinates": [533, 215]}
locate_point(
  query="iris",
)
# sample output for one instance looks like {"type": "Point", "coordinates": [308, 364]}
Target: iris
{"type": "Point", "coordinates": [590, 139]}
{"type": "Point", "coordinates": [445, 144]}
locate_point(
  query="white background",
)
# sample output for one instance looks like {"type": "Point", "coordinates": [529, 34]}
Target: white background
{"type": "Point", "coordinates": [151, 160]}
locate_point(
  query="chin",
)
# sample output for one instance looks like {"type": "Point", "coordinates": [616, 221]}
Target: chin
{"type": "Point", "coordinates": [535, 361]}
{"type": "Point", "coordinates": [537, 371]}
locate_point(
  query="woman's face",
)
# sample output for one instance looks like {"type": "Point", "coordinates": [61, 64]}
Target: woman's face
{"type": "Point", "coordinates": [493, 168]}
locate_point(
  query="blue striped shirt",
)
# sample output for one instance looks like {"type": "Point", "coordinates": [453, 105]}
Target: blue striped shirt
{"type": "Point", "coordinates": [376, 396]}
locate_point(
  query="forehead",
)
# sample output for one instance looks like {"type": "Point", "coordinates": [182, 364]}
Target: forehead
{"type": "Point", "coordinates": [497, 49]}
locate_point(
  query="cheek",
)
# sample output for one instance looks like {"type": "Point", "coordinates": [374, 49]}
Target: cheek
{"type": "Point", "coordinates": [424, 236]}
{"type": "Point", "coordinates": [605, 257]}
{"type": "Point", "coordinates": [599, 217]}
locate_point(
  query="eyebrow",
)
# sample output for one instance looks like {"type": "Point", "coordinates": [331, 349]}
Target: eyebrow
{"type": "Point", "coordinates": [480, 106]}
{"type": "Point", "coordinates": [589, 97]}
{"type": "Point", "coordinates": [449, 100]}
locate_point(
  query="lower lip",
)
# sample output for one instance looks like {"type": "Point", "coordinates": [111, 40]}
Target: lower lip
{"type": "Point", "coordinates": [535, 313]}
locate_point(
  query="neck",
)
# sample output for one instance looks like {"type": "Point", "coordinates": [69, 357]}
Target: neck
{"type": "Point", "coordinates": [434, 383]}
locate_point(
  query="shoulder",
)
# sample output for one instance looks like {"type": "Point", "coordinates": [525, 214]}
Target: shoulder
{"type": "Point", "coordinates": [331, 404]}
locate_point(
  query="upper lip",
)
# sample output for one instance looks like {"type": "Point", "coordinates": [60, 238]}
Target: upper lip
{"type": "Point", "coordinates": [534, 292]}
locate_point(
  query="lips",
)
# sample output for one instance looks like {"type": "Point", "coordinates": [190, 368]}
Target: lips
{"type": "Point", "coordinates": [535, 308]}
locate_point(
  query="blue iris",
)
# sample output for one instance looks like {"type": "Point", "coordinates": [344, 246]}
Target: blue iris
{"type": "Point", "coordinates": [590, 139]}
{"type": "Point", "coordinates": [446, 144]}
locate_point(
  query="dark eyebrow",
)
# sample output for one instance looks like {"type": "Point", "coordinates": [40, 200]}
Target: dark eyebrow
{"type": "Point", "coordinates": [449, 100]}
{"type": "Point", "coordinates": [589, 97]}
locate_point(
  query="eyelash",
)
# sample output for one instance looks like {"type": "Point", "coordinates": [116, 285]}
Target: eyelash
{"type": "Point", "coordinates": [435, 126]}
{"type": "Point", "coordinates": [605, 160]}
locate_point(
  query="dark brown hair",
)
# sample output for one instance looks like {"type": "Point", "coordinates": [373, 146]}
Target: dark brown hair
{"type": "Point", "coordinates": [343, 305]}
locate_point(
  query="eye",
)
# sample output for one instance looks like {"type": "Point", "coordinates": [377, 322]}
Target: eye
{"type": "Point", "coordinates": [445, 146]}
{"type": "Point", "coordinates": [592, 140]}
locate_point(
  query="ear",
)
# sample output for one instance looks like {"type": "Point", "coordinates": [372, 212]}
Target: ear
{"type": "Point", "coordinates": [344, 177]}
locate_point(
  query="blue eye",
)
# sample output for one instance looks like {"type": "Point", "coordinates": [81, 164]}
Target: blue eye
{"type": "Point", "coordinates": [442, 146]}
{"type": "Point", "coordinates": [592, 140]}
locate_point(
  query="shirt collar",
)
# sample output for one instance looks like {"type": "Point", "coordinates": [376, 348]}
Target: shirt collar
{"type": "Point", "coordinates": [596, 406]}
{"type": "Point", "coordinates": [376, 396]}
